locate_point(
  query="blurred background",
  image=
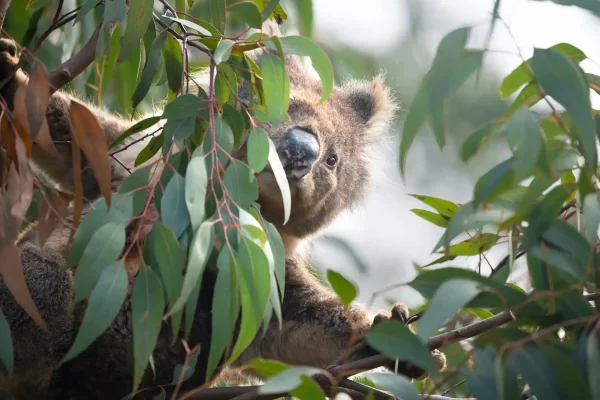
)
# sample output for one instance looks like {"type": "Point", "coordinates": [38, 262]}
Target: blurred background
{"type": "Point", "coordinates": [379, 243]}
{"type": "Point", "coordinates": [401, 37]}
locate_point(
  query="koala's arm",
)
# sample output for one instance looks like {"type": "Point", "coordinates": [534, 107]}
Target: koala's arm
{"type": "Point", "coordinates": [316, 328]}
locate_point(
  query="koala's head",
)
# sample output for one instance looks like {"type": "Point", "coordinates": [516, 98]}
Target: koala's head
{"type": "Point", "coordinates": [326, 149]}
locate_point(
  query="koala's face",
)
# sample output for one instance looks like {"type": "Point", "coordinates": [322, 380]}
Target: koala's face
{"type": "Point", "coordinates": [325, 150]}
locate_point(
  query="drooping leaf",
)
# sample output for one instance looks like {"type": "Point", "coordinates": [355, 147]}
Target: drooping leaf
{"type": "Point", "coordinates": [248, 12]}
{"type": "Point", "coordinates": [258, 149]}
{"type": "Point", "coordinates": [173, 57]}
{"type": "Point", "coordinates": [173, 208]}
{"type": "Point", "coordinates": [564, 80]}
{"type": "Point", "coordinates": [153, 63]}
{"type": "Point", "coordinates": [303, 46]}
{"type": "Point", "coordinates": [103, 306]}
{"type": "Point", "coordinates": [417, 115]}
{"type": "Point", "coordinates": [345, 289]}
{"type": "Point", "coordinates": [195, 190]}
{"type": "Point", "coordinates": [223, 50]}
{"type": "Point", "coordinates": [450, 297]}
{"type": "Point", "coordinates": [91, 140]}
{"type": "Point", "coordinates": [282, 182]}
{"type": "Point", "coordinates": [396, 341]}
{"type": "Point", "coordinates": [398, 385]}
{"type": "Point", "coordinates": [199, 253]}
{"type": "Point", "coordinates": [238, 185]}
{"type": "Point", "coordinates": [102, 251]}
{"type": "Point", "coordinates": [147, 305]}
{"type": "Point", "coordinates": [287, 380]}
{"type": "Point", "coordinates": [276, 86]}
{"type": "Point", "coordinates": [139, 16]}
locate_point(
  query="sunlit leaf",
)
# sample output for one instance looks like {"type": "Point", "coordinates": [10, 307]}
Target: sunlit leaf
{"type": "Point", "coordinates": [345, 289]}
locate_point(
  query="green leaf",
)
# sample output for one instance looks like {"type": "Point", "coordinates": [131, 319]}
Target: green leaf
{"type": "Point", "coordinates": [105, 246]}
{"type": "Point", "coordinates": [255, 287]}
{"type": "Point", "coordinates": [223, 51]}
{"type": "Point", "coordinates": [234, 119]}
{"type": "Point", "coordinates": [305, 16]}
{"type": "Point", "coordinates": [308, 390]}
{"type": "Point", "coordinates": [591, 205]}
{"type": "Point", "coordinates": [199, 253]}
{"type": "Point", "coordinates": [168, 257]}
{"type": "Point", "coordinates": [528, 97]}
{"type": "Point", "coordinates": [396, 341]}
{"type": "Point", "coordinates": [189, 24]}
{"type": "Point", "coordinates": [195, 190]}
{"type": "Point", "coordinates": [147, 305]}
{"type": "Point", "coordinates": [258, 149]}
{"type": "Point", "coordinates": [417, 115]}
{"type": "Point", "coordinates": [120, 210]}
{"type": "Point", "coordinates": [398, 385]}
{"type": "Point", "coordinates": [138, 18]}
{"type": "Point", "coordinates": [525, 141]}
{"type": "Point", "coordinates": [103, 306]}
{"type": "Point", "coordinates": [153, 146]}
{"type": "Point", "coordinates": [432, 217]}
{"type": "Point", "coordinates": [345, 289]}
{"type": "Point", "coordinates": [446, 208]}
{"type": "Point", "coordinates": [543, 215]}
{"type": "Point", "coordinates": [173, 57]}
{"type": "Point", "coordinates": [520, 76]}
{"type": "Point", "coordinates": [494, 182]}
{"type": "Point", "coordinates": [287, 380]}
{"type": "Point", "coordinates": [320, 61]}
{"type": "Point", "coordinates": [153, 63]}
{"type": "Point", "coordinates": [562, 79]}
{"type": "Point", "coordinates": [136, 128]}
{"type": "Point", "coordinates": [140, 178]}
{"type": "Point", "coordinates": [226, 304]}
{"type": "Point", "coordinates": [238, 185]}
{"type": "Point", "coordinates": [477, 244]}
{"type": "Point", "coordinates": [449, 54]}
{"type": "Point", "coordinates": [480, 313]}
{"type": "Point", "coordinates": [450, 297]}
{"type": "Point", "coordinates": [178, 130]}
{"type": "Point", "coordinates": [282, 181]}
{"type": "Point", "coordinates": [6, 346]}
{"type": "Point", "coordinates": [217, 14]}
{"type": "Point", "coordinates": [530, 362]}
{"type": "Point", "coordinates": [477, 139]}
{"type": "Point", "coordinates": [593, 364]}
{"type": "Point", "coordinates": [247, 12]}
{"type": "Point", "coordinates": [184, 106]}
{"type": "Point", "coordinates": [276, 86]}
{"type": "Point", "coordinates": [173, 208]}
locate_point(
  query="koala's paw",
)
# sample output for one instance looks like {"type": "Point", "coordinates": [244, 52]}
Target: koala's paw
{"type": "Point", "coordinates": [400, 313]}
{"type": "Point", "coordinates": [9, 58]}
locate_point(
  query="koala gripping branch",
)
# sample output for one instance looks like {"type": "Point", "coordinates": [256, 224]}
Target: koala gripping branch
{"type": "Point", "coordinates": [354, 389]}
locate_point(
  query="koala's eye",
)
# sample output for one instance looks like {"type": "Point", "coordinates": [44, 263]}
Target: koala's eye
{"type": "Point", "coordinates": [331, 160]}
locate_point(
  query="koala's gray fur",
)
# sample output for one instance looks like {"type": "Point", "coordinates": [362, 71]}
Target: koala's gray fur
{"type": "Point", "coordinates": [316, 328]}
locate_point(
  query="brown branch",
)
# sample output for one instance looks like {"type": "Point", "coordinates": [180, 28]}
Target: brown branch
{"type": "Point", "coordinates": [4, 4]}
{"type": "Point", "coordinates": [68, 70]}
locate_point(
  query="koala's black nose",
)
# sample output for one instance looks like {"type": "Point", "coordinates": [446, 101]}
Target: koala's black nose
{"type": "Point", "coordinates": [9, 46]}
{"type": "Point", "coordinates": [298, 152]}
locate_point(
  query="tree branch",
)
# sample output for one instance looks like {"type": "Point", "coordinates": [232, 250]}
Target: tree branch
{"type": "Point", "coordinates": [68, 70]}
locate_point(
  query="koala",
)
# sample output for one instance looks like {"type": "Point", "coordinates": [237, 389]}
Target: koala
{"type": "Point", "coordinates": [325, 150]}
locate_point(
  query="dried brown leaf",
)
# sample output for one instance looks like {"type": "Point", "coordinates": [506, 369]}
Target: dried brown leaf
{"type": "Point", "coordinates": [91, 140]}
{"type": "Point", "coordinates": [12, 272]}
{"type": "Point", "coordinates": [44, 140]}
{"type": "Point", "coordinates": [36, 97]}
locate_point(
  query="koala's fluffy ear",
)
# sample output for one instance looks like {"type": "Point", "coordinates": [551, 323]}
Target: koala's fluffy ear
{"type": "Point", "coordinates": [373, 104]}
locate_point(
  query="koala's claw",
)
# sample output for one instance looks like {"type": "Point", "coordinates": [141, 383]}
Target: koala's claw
{"type": "Point", "coordinates": [400, 313]}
